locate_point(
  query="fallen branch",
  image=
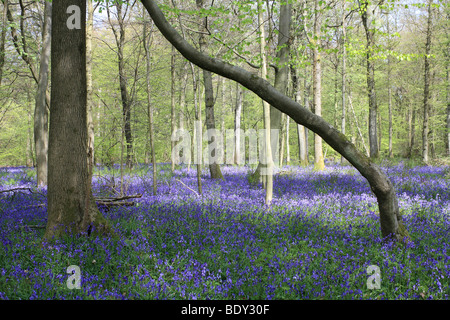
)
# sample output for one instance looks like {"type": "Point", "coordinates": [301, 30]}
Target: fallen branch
{"type": "Point", "coordinates": [112, 204]}
{"type": "Point", "coordinates": [22, 188]}
{"type": "Point", "coordinates": [188, 187]}
{"type": "Point", "coordinates": [16, 189]}
{"type": "Point", "coordinates": [118, 198]}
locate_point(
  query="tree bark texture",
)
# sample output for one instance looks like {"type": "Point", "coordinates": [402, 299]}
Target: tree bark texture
{"type": "Point", "coordinates": [71, 205]}
{"type": "Point", "coordinates": [41, 111]}
{"type": "Point", "coordinates": [370, 75]}
{"type": "Point", "coordinates": [214, 168]}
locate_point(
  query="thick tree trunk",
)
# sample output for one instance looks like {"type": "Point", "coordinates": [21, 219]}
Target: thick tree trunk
{"type": "Point", "coordinates": [71, 205]}
{"type": "Point", "coordinates": [390, 218]}
{"type": "Point", "coordinates": [214, 168]}
{"type": "Point", "coordinates": [426, 90]}
{"type": "Point", "coordinates": [40, 111]}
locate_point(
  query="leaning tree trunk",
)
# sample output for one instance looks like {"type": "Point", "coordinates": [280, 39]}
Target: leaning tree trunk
{"type": "Point", "coordinates": [40, 111]}
{"type": "Point", "coordinates": [71, 205]}
{"type": "Point", "coordinates": [390, 218]}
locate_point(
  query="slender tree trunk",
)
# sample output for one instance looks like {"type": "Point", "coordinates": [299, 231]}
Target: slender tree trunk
{"type": "Point", "coordinates": [447, 140]}
{"type": "Point", "coordinates": [3, 38]}
{"type": "Point", "coordinates": [389, 92]}
{"type": "Point", "coordinates": [344, 71]}
{"type": "Point", "coordinates": [447, 65]}
{"type": "Point", "coordinates": [40, 111]}
{"type": "Point", "coordinates": [319, 163]}
{"type": "Point", "coordinates": [71, 205]}
{"type": "Point", "coordinates": [126, 101]}
{"type": "Point", "coordinates": [146, 44]}
{"type": "Point", "coordinates": [356, 123]}
{"type": "Point", "coordinates": [214, 167]}
{"type": "Point", "coordinates": [237, 126]}
{"type": "Point", "coordinates": [288, 150]}
{"type": "Point", "coordinates": [282, 133]}
{"type": "Point", "coordinates": [29, 152]}
{"type": "Point", "coordinates": [222, 111]}
{"type": "Point", "coordinates": [426, 90]}
{"type": "Point", "coordinates": [173, 124]}
{"type": "Point", "coordinates": [370, 75]}
{"type": "Point", "coordinates": [281, 72]}
{"type": "Point", "coordinates": [412, 140]}
{"type": "Point", "coordinates": [267, 167]}
{"type": "Point", "coordinates": [90, 102]}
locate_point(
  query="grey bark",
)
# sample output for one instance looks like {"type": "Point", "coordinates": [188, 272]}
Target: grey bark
{"type": "Point", "coordinates": [426, 90]}
{"type": "Point", "coordinates": [90, 102]}
{"type": "Point", "coordinates": [366, 17]}
{"type": "Point", "coordinates": [344, 71]}
{"type": "Point", "coordinates": [119, 36]}
{"type": "Point", "coordinates": [282, 68]}
{"type": "Point", "coordinates": [40, 111]}
{"type": "Point", "coordinates": [237, 126]}
{"type": "Point", "coordinates": [3, 38]}
{"type": "Point", "coordinates": [214, 168]}
{"type": "Point", "coordinates": [146, 45]}
{"type": "Point", "coordinates": [71, 205]}
{"type": "Point", "coordinates": [317, 85]}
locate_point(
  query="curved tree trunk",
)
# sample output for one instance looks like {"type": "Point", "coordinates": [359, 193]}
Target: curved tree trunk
{"type": "Point", "coordinates": [390, 218]}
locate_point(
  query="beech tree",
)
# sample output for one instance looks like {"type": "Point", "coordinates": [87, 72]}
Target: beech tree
{"type": "Point", "coordinates": [390, 218]}
{"type": "Point", "coordinates": [40, 110]}
{"type": "Point", "coordinates": [71, 205]}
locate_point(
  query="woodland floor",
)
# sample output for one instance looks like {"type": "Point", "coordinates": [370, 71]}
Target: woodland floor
{"type": "Point", "coordinates": [316, 241]}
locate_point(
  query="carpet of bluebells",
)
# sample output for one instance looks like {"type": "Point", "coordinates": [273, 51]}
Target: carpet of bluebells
{"type": "Point", "coordinates": [315, 241]}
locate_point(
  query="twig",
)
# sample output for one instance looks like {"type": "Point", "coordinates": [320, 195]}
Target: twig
{"type": "Point", "coordinates": [188, 187]}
